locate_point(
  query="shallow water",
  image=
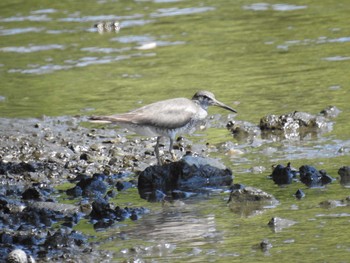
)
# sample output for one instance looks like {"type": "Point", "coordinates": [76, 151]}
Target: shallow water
{"type": "Point", "coordinates": [261, 58]}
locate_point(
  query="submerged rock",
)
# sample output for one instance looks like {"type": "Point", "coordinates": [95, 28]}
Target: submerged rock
{"type": "Point", "coordinates": [294, 124]}
{"type": "Point", "coordinates": [188, 174]}
{"type": "Point", "coordinates": [250, 201]}
{"type": "Point", "coordinates": [243, 129]}
{"type": "Point", "coordinates": [330, 112]}
{"type": "Point", "coordinates": [249, 194]}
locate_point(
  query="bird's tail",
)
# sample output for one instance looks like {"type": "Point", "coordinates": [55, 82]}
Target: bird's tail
{"type": "Point", "coordinates": [100, 119]}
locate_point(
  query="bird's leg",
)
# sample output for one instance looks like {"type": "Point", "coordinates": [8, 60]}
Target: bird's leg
{"type": "Point", "coordinates": [171, 150]}
{"type": "Point", "coordinates": [156, 150]}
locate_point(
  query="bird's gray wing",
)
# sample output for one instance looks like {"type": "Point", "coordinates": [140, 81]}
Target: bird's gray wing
{"type": "Point", "coordinates": [173, 113]}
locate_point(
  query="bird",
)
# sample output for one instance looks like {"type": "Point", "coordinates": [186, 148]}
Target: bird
{"type": "Point", "coordinates": [166, 118]}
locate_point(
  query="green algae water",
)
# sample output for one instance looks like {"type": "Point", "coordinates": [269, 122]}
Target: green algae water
{"type": "Point", "coordinates": [259, 57]}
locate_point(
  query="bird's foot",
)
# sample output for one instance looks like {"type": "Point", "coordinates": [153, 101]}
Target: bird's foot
{"type": "Point", "coordinates": [173, 155]}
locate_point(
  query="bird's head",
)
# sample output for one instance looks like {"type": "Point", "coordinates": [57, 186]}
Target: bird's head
{"type": "Point", "coordinates": [206, 98]}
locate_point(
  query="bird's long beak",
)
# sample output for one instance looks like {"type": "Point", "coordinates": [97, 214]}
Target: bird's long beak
{"type": "Point", "coordinates": [222, 105]}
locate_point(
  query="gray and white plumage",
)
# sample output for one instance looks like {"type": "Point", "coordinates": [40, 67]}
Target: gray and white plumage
{"type": "Point", "coordinates": [167, 117]}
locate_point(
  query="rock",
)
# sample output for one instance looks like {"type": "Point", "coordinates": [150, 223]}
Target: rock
{"type": "Point", "coordinates": [278, 224]}
{"type": "Point", "coordinates": [330, 112]}
{"type": "Point", "coordinates": [294, 124]}
{"type": "Point", "coordinates": [66, 209]}
{"type": "Point", "coordinates": [188, 174]}
{"type": "Point", "coordinates": [89, 186]}
{"type": "Point", "coordinates": [32, 194]}
{"type": "Point", "coordinates": [19, 256]}
{"type": "Point", "coordinates": [249, 194]}
{"type": "Point", "coordinates": [249, 201]}
{"type": "Point", "coordinates": [16, 168]}
{"type": "Point", "coordinates": [344, 173]}
{"type": "Point", "coordinates": [104, 214]}
{"type": "Point", "coordinates": [299, 194]}
{"type": "Point", "coordinates": [282, 175]}
{"type": "Point", "coordinates": [242, 129]}
{"type": "Point", "coordinates": [265, 245]}
{"type": "Point", "coordinates": [313, 178]}
{"type": "Point", "coordinates": [328, 204]}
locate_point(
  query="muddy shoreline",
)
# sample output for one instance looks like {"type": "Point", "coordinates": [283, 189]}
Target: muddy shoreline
{"type": "Point", "coordinates": [37, 155]}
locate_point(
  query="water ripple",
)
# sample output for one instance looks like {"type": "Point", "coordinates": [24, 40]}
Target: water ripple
{"type": "Point", "coordinates": [13, 31]}
{"type": "Point", "coordinates": [275, 7]}
{"type": "Point", "coordinates": [174, 11]}
{"type": "Point", "coordinates": [35, 18]}
{"type": "Point", "coordinates": [336, 58]}
{"type": "Point", "coordinates": [105, 50]}
{"type": "Point", "coordinates": [82, 62]}
{"type": "Point", "coordinates": [31, 48]}
{"type": "Point", "coordinates": [73, 18]}
{"type": "Point", "coordinates": [44, 11]}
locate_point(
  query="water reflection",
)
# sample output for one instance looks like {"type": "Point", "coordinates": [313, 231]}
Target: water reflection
{"type": "Point", "coordinates": [275, 7]}
{"type": "Point", "coordinates": [31, 48]}
{"type": "Point", "coordinates": [97, 18]}
{"type": "Point", "coordinates": [174, 11]}
{"type": "Point", "coordinates": [81, 62]}
{"type": "Point", "coordinates": [33, 18]}
{"type": "Point", "coordinates": [14, 31]}
{"type": "Point", "coordinates": [179, 224]}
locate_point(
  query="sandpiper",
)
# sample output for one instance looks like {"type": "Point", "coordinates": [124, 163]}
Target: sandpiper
{"type": "Point", "coordinates": [166, 118]}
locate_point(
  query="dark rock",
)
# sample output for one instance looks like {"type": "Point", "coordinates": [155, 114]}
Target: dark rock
{"type": "Point", "coordinates": [188, 174]}
{"type": "Point", "coordinates": [344, 173]}
{"type": "Point", "coordinates": [32, 194]}
{"type": "Point", "coordinates": [122, 185]}
{"type": "Point", "coordinates": [282, 175]}
{"type": "Point", "coordinates": [76, 191]}
{"type": "Point", "coordinates": [5, 238]}
{"type": "Point", "coordinates": [16, 168]}
{"type": "Point", "coordinates": [101, 209]}
{"type": "Point", "coordinates": [265, 245]}
{"type": "Point", "coordinates": [299, 194]}
{"type": "Point", "coordinates": [64, 237]}
{"type": "Point", "coordinates": [104, 214]}
{"type": "Point", "coordinates": [89, 186]}
{"type": "Point", "coordinates": [314, 178]}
